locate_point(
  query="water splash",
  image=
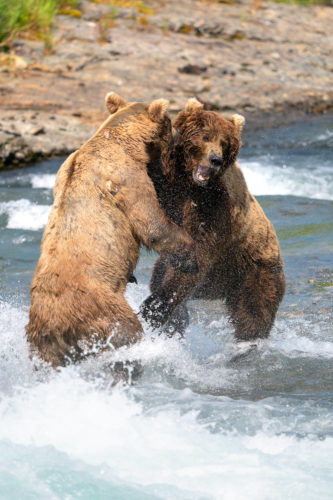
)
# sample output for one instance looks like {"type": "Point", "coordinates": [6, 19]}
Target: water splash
{"type": "Point", "coordinates": [23, 214]}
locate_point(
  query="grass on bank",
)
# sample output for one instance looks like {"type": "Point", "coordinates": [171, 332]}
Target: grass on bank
{"type": "Point", "coordinates": [30, 16]}
{"type": "Point", "coordinates": [35, 17]}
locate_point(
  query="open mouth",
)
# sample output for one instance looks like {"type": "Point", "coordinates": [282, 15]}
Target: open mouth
{"type": "Point", "coordinates": [202, 174]}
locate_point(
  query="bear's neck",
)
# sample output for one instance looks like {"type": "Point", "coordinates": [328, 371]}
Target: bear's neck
{"type": "Point", "coordinates": [175, 189]}
{"type": "Point", "coordinates": [133, 146]}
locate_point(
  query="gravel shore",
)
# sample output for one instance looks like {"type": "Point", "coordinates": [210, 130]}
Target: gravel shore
{"type": "Point", "coordinates": [271, 62]}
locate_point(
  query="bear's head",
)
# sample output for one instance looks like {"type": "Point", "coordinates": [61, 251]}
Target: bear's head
{"type": "Point", "coordinates": [137, 123]}
{"type": "Point", "coordinates": [205, 142]}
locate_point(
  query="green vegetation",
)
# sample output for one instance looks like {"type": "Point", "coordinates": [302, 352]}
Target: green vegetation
{"type": "Point", "coordinates": [138, 11]}
{"type": "Point", "coordinates": [33, 17]}
{"type": "Point", "coordinates": [138, 6]}
{"type": "Point", "coordinates": [324, 284]}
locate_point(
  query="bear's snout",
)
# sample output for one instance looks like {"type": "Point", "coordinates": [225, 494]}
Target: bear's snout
{"type": "Point", "coordinates": [207, 169]}
{"type": "Point", "coordinates": [215, 161]}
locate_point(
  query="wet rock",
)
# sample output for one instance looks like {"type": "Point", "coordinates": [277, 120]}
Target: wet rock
{"type": "Point", "coordinates": [192, 69]}
{"type": "Point", "coordinates": [39, 135]}
{"type": "Point", "coordinates": [37, 130]}
{"type": "Point", "coordinates": [77, 29]}
{"type": "Point", "coordinates": [93, 11]}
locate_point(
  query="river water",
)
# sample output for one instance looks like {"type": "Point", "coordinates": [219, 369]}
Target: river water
{"type": "Point", "coordinates": [209, 419]}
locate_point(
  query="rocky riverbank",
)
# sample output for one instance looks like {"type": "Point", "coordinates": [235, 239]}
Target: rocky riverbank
{"type": "Point", "coordinates": [268, 61]}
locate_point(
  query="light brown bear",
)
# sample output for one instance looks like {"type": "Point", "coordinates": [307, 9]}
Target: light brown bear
{"type": "Point", "coordinates": [201, 188]}
{"type": "Point", "coordinates": [105, 206]}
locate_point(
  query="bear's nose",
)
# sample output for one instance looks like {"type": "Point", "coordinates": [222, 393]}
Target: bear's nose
{"type": "Point", "coordinates": [215, 161]}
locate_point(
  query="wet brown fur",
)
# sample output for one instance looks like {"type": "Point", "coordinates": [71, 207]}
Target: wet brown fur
{"type": "Point", "coordinates": [237, 248]}
{"type": "Point", "coordinates": [105, 206]}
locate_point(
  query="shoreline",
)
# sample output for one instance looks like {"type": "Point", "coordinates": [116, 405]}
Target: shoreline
{"type": "Point", "coordinates": [271, 62]}
{"type": "Point", "coordinates": [30, 151]}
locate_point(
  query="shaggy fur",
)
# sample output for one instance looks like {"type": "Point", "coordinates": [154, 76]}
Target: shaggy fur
{"type": "Point", "coordinates": [201, 188]}
{"type": "Point", "coordinates": [105, 206]}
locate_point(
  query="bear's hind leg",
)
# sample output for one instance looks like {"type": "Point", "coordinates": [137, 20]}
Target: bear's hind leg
{"type": "Point", "coordinates": [253, 304]}
{"type": "Point", "coordinates": [121, 326]}
{"type": "Point", "coordinates": [124, 330]}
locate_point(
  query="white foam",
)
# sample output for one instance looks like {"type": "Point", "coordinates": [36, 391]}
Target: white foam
{"type": "Point", "coordinates": [20, 240]}
{"type": "Point", "coordinates": [23, 214]}
{"type": "Point", "coordinates": [45, 181]}
{"type": "Point", "coordinates": [324, 136]}
{"type": "Point", "coordinates": [161, 446]}
{"type": "Point", "coordinates": [161, 438]}
{"type": "Point", "coordinates": [299, 337]}
{"type": "Point", "coordinates": [264, 178]}
{"type": "Point", "coordinates": [15, 366]}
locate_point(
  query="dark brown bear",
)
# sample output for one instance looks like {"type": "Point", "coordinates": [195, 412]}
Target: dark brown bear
{"type": "Point", "coordinates": [201, 188]}
{"type": "Point", "coordinates": [105, 206]}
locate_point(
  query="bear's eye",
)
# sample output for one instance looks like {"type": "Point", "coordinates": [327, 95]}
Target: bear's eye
{"type": "Point", "coordinates": [194, 148]}
{"type": "Point", "coordinates": [205, 138]}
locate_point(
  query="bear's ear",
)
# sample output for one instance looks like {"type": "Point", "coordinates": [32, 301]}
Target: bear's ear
{"type": "Point", "coordinates": [193, 105]}
{"type": "Point", "coordinates": [157, 109]}
{"type": "Point", "coordinates": [238, 121]}
{"type": "Point", "coordinates": [113, 102]}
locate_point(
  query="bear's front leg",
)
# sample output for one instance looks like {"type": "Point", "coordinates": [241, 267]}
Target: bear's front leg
{"type": "Point", "coordinates": [170, 288]}
{"type": "Point", "coordinates": [156, 311]}
{"type": "Point", "coordinates": [179, 321]}
{"type": "Point", "coordinates": [152, 228]}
